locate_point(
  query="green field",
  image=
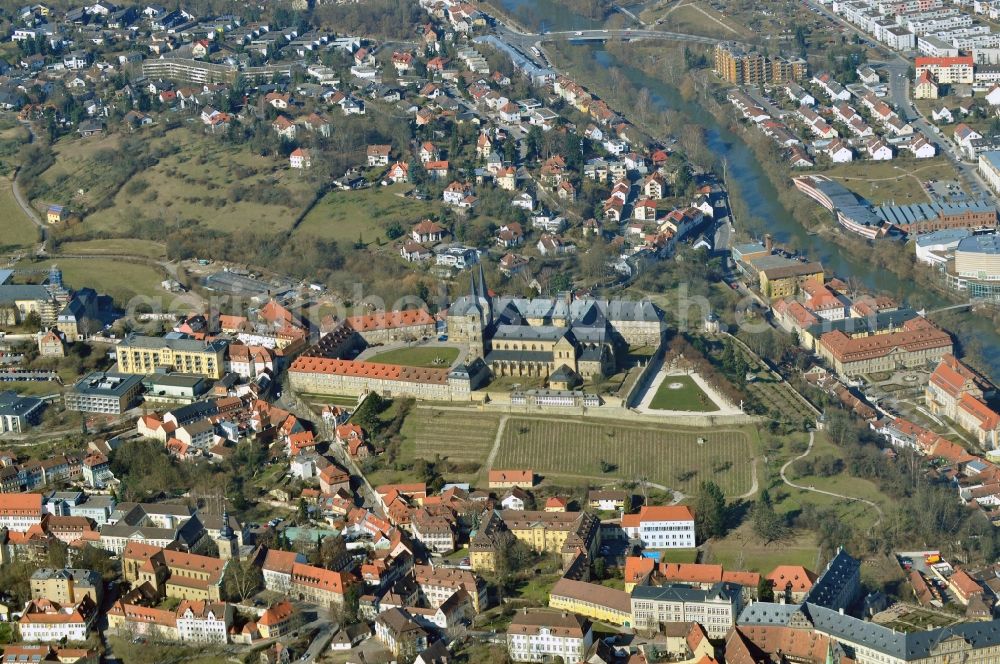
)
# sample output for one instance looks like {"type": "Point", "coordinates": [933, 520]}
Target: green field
{"type": "Point", "coordinates": [16, 230]}
{"type": "Point", "coordinates": [115, 246]}
{"type": "Point", "coordinates": [573, 449]}
{"type": "Point", "coordinates": [884, 182]}
{"type": "Point", "coordinates": [107, 276]}
{"type": "Point", "coordinates": [696, 18]}
{"type": "Point", "coordinates": [345, 216]}
{"type": "Point", "coordinates": [32, 388]}
{"type": "Point", "coordinates": [195, 179]}
{"type": "Point", "coordinates": [740, 550]}
{"type": "Point", "coordinates": [687, 397]}
{"type": "Point", "coordinates": [420, 356]}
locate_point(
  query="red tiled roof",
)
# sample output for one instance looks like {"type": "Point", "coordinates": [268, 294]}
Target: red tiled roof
{"type": "Point", "coordinates": [943, 61]}
{"type": "Point", "coordinates": [391, 320]}
{"type": "Point", "coordinates": [21, 503]}
{"type": "Point", "coordinates": [394, 372]}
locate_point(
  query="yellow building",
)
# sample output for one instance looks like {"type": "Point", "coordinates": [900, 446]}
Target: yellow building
{"type": "Point", "coordinates": [66, 586]}
{"type": "Point", "coordinates": [594, 601]}
{"type": "Point", "coordinates": [56, 214]}
{"type": "Point", "coordinates": [144, 355]}
{"type": "Point", "coordinates": [564, 533]}
{"type": "Point", "coordinates": [173, 573]}
{"type": "Point", "coordinates": [781, 277]}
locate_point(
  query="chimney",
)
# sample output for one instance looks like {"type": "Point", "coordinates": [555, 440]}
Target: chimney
{"type": "Point", "coordinates": [768, 243]}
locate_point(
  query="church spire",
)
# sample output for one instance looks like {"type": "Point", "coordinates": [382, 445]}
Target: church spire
{"type": "Point", "coordinates": [482, 282]}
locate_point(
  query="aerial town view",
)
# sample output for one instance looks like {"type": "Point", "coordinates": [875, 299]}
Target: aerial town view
{"type": "Point", "coordinates": [494, 331]}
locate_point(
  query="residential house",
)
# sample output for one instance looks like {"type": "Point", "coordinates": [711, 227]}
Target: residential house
{"type": "Point", "coordinates": [300, 158]}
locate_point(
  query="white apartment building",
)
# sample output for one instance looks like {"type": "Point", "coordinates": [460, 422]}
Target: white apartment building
{"type": "Point", "coordinates": [204, 622]}
{"type": "Point", "coordinates": [936, 47]}
{"type": "Point", "coordinates": [43, 620]}
{"type": "Point", "coordinates": [20, 511]}
{"type": "Point", "coordinates": [537, 635]}
{"type": "Point", "coordinates": [715, 609]}
{"type": "Point", "coordinates": [989, 168]}
{"type": "Point", "coordinates": [900, 39]}
{"type": "Point", "coordinates": [661, 527]}
{"type": "Point", "coordinates": [924, 26]}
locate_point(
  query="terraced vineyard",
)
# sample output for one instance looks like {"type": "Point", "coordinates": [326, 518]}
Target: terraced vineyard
{"type": "Point", "coordinates": [463, 437]}
{"type": "Point", "coordinates": [572, 449]}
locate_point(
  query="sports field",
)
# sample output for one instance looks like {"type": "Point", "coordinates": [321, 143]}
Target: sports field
{"type": "Point", "coordinates": [681, 393]}
{"type": "Point", "coordinates": [419, 356]}
{"type": "Point", "coordinates": [672, 457]}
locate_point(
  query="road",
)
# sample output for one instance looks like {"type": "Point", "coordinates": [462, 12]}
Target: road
{"type": "Point", "coordinates": [319, 642]}
{"type": "Point", "coordinates": [291, 402]}
{"type": "Point", "coordinates": [23, 202]}
{"type": "Point", "coordinates": [897, 72]}
{"type": "Point", "coordinates": [812, 435]}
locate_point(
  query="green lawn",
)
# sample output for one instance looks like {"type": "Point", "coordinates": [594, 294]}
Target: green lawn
{"type": "Point", "coordinates": [418, 356]}
{"type": "Point", "coordinates": [672, 457]}
{"type": "Point", "coordinates": [686, 397]}
{"type": "Point", "coordinates": [118, 279]}
{"type": "Point", "coordinates": [32, 388]}
{"type": "Point", "coordinates": [741, 551]}
{"type": "Point", "coordinates": [16, 230]}
{"type": "Point", "coordinates": [345, 216]}
{"type": "Point", "coordinates": [115, 246]}
{"type": "Point", "coordinates": [899, 181]}
{"type": "Point", "coordinates": [679, 555]}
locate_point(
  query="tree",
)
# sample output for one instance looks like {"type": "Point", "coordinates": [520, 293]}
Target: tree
{"type": "Point", "coordinates": [33, 320]}
{"type": "Point", "coordinates": [243, 579]}
{"type": "Point", "coordinates": [767, 524]}
{"type": "Point", "coordinates": [594, 263]}
{"type": "Point", "coordinates": [710, 511]}
{"type": "Point", "coordinates": [765, 591]}
{"type": "Point", "coordinates": [600, 568]}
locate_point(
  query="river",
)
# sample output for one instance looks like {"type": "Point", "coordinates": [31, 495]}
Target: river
{"type": "Point", "coordinates": [755, 187]}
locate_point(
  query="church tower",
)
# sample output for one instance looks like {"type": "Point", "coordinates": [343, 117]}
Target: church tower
{"type": "Point", "coordinates": [226, 541]}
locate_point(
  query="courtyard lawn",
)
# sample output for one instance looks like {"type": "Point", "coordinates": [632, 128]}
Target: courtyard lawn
{"type": "Point", "coordinates": [681, 393]}
{"type": "Point", "coordinates": [599, 451]}
{"type": "Point", "coordinates": [418, 356]}
{"type": "Point", "coordinates": [347, 216]}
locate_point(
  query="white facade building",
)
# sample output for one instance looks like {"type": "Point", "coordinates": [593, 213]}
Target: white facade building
{"type": "Point", "coordinates": [661, 527]}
